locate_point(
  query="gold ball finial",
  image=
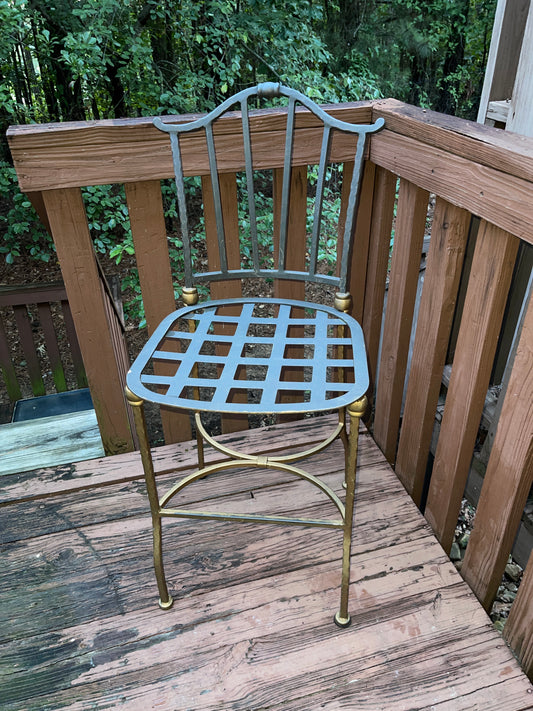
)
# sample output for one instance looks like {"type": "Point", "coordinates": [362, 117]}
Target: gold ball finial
{"type": "Point", "coordinates": [133, 400]}
{"type": "Point", "coordinates": [358, 408]}
{"type": "Point", "coordinates": [189, 295]}
{"type": "Point", "coordinates": [343, 302]}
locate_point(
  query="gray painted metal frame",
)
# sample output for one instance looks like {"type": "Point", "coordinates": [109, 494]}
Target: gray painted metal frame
{"type": "Point", "coordinates": [331, 342]}
{"type": "Point", "coordinates": [269, 90]}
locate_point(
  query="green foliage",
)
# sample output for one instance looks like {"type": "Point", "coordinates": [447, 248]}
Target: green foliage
{"type": "Point", "coordinates": [108, 219]}
{"type": "Point", "coordinates": [94, 59]}
{"type": "Point", "coordinates": [23, 233]}
{"type": "Point", "coordinates": [430, 52]}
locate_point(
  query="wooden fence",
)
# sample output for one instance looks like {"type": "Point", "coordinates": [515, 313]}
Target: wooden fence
{"type": "Point", "coordinates": [30, 309]}
{"type": "Point", "coordinates": [472, 170]}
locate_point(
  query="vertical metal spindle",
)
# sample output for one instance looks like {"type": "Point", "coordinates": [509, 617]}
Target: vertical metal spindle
{"type": "Point", "coordinates": [286, 186]}
{"type": "Point", "coordinates": [250, 182]}
{"type": "Point", "coordinates": [182, 209]}
{"type": "Point", "coordinates": [319, 198]}
{"type": "Point", "coordinates": [351, 210]}
{"type": "Point", "coordinates": [219, 219]}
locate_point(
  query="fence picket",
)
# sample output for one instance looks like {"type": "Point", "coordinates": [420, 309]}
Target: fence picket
{"type": "Point", "coordinates": [508, 478]}
{"type": "Point", "coordinates": [445, 258]}
{"type": "Point", "coordinates": [488, 286]}
{"type": "Point", "coordinates": [151, 253]}
{"type": "Point", "coordinates": [405, 266]}
{"type": "Point", "coordinates": [378, 259]}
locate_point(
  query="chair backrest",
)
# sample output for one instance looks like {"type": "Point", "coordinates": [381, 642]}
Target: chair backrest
{"type": "Point", "coordinates": [255, 268]}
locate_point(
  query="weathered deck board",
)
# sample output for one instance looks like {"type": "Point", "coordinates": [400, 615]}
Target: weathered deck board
{"type": "Point", "coordinates": [49, 441]}
{"type": "Point", "coordinates": [251, 627]}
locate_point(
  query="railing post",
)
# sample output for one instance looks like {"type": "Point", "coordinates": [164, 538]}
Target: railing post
{"type": "Point", "coordinates": [105, 372]}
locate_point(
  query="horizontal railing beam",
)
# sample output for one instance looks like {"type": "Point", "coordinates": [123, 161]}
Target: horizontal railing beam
{"type": "Point", "coordinates": [130, 150]}
{"type": "Point", "coordinates": [503, 150]}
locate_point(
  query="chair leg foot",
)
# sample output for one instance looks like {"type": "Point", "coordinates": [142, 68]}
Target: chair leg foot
{"type": "Point", "coordinates": [342, 621]}
{"type": "Point", "coordinates": [166, 605]}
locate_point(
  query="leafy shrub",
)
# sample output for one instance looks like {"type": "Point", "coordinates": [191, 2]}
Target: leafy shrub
{"type": "Point", "coordinates": [23, 232]}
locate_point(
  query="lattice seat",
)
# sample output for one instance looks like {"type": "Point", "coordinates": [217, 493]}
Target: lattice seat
{"type": "Point", "coordinates": [230, 337]}
{"type": "Point", "coordinates": [247, 356]}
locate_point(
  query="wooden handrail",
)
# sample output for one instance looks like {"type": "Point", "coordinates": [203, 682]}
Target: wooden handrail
{"type": "Point", "coordinates": [131, 150]}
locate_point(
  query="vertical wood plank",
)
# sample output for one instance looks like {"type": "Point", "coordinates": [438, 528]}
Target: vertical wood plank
{"type": "Point", "coordinates": [361, 238]}
{"type": "Point", "coordinates": [518, 630]}
{"type": "Point", "coordinates": [6, 365]}
{"type": "Point", "coordinates": [52, 348]}
{"type": "Point", "coordinates": [296, 232]}
{"type": "Point", "coordinates": [72, 238]}
{"type": "Point", "coordinates": [23, 322]}
{"type": "Point", "coordinates": [445, 259]}
{"type": "Point", "coordinates": [116, 329]}
{"type": "Point", "coordinates": [230, 289]}
{"type": "Point", "coordinates": [508, 478]}
{"type": "Point", "coordinates": [148, 229]}
{"type": "Point", "coordinates": [403, 282]}
{"type": "Point", "coordinates": [488, 286]}
{"type": "Point", "coordinates": [378, 261]}
{"type": "Point", "coordinates": [75, 352]}
{"type": "Point", "coordinates": [519, 118]}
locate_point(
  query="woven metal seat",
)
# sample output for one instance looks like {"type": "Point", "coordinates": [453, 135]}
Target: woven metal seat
{"type": "Point", "coordinates": [305, 366]}
{"type": "Point", "coordinates": [257, 355]}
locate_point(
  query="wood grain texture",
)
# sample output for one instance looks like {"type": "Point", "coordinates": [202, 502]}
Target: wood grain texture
{"type": "Point", "coordinates": [75, 351]}
{"type": "Point", "coordinates": [25, 335]}
{"type": "Point", "coordinates": [405, 268]}
{"type": "Point", "coordinates": [296, 230]}
{"type": "Point", "coordinates": [488, 287]}
{"type": "Point", "coordinates": [133, 150]}
{"type": "Point", "coordinates": [6, 365]}
{"type": "Point", "coordinates": [518, 630]}
{"type": "Point", "coordinates": [85, 476]}
{"type": "Point", "coordinates": [52, 348]}
{"type": "Point", "coordinates": [492, 147]}
{"type": "Point", "coordinates": [504, 53]}
{"type": "Point", "coordinates": [489, 193]}
{"type": "Point", "coordinates": [75, 251]}
{"type": "Point", "coordinates": [445, 259]}
{"type": "Point", "coordinates": [361, 238]}
{"type": "Point", "coordinates": [230, 215]}
{"type": "Point", "coordinates": [251, 627]}
{"type": "Point", "coordinates": [519, 119]}
{"type": "Point", "coordinates": [49, 441]}
{"type": "Point", "coordinates": [510, 470]}
{"type": "Point", "coordinates": [149, 233]}
{"type": "Point", "coordinates": [378, 261]}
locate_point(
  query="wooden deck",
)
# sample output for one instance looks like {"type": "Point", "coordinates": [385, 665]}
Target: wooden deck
{"type": "Point", "coordinates": [49, 441]}
{"type": "Point", "coordinates": [251, 627]}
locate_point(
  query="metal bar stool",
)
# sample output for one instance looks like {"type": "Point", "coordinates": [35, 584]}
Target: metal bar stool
{"type": "Point", "coordinates": [207, 346]}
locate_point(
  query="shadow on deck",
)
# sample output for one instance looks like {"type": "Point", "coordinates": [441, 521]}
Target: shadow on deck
{"type": "Point", "coordinates": [251, 626]}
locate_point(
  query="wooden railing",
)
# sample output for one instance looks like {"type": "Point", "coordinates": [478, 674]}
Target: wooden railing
{"type": "Point", "coordinates": [26, 307]}
{"type": "Point", "coordinates": [471, 170]}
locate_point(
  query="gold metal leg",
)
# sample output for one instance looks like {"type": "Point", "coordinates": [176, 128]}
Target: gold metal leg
{"type": "Point", "coordinates": [165, 599]}
{"type": "Point", "coordinates": [355, 411]}
{"type": "Point", "coordinates": [344, 439]}
{"type": "Point", "coordinates": [199, 441]}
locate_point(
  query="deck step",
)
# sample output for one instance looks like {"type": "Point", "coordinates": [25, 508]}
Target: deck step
{"type": "Point", "coordinates": [49, 441]}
